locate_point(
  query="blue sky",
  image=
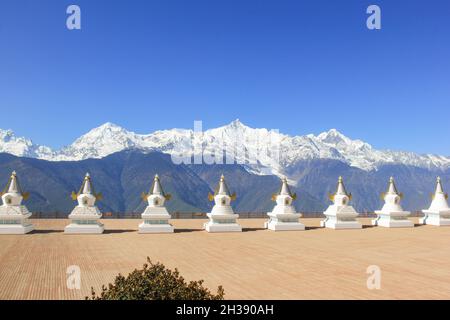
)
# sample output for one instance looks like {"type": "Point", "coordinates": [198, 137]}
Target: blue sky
{"type": "Point", "coordinates": [297, 66]}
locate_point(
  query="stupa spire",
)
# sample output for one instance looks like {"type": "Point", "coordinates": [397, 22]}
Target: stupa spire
{"type": "Point", "coordinates": [156, 186]}
{"type": "Point", "coordinates": [439, 188]}
{"type": "Point", "coordinates": [222, 188]}
{"type": "Point", "coordinates": [341, 187]}
{"type": "Point", "coordinates": [13, 184]}
{"type": "Point", "coordinates": [285, 190]}
{"type": "Point", "coordinates": [87, 187]}
{"type": "Point", "coordinates": [392, 189]}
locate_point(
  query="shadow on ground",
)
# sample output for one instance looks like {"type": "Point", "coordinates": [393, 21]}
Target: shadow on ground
{"type": "Point", "coordinates": [45, 231]}
{"type": "Point", "coordinates": [112, 231]}
{"type": "Point", "coordinates": [252, 229]}
{"type": "Point", "coordinates": [187, 230]}
{"type": "Point", "coordinates": [313, 228]}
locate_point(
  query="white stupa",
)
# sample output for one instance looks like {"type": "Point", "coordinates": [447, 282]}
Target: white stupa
{"type": "Point", "coordinates": [340, 215]}
{"type": "Point", "coordinates": [392, 214]}
{"type": "Point", "coordinates": [283, 216]}
{"type": "Point", "coordinates": [84, 217]}
{"type": "Point", "coordinates": [222, 218]}
{"type": "Point", "coordinates": [13, 215]}
{"type": "Point", "coordinates": [156, 218]}
{"type": "Point", "coordinates": [439, 212]}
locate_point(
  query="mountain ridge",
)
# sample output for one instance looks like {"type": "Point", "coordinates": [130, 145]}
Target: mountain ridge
{"type": "Point", "coordinates": [275, 152]}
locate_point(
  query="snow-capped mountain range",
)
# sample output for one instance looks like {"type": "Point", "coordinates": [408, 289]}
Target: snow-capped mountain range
{"type": "Point", "coordinates": [274, 152]}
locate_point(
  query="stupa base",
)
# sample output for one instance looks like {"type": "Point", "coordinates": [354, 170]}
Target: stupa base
{"type": "Point", "coordinates": [155, 228]}
{"type": "Point", "coordinates": [283, 221]}
{"type": "Point", "coordinates": [222, 223]}
{"type": "Point", "coordinates": [340, 217]}
{"type": "Point", "coordinates": [389, 222]}
{"type": "Point", "coordinates": [222, 227]}
{"type": "Point", "coordinates": [284, 226]}
{"type": "Point", "coordinates": [16, 228]}
{"type": "Point", "coordinates": [75, 228]}
{"type": "Point", "coordinates": [339, 224]}
{"type": "Point", "coordinates": [435, 220]}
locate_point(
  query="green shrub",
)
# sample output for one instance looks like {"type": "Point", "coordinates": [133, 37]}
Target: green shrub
{"type": "Point", "coordinates": [155, 282]}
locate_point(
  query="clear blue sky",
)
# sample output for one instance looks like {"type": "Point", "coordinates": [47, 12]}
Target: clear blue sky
{"type": "Point", "coordinates": [297, 66]}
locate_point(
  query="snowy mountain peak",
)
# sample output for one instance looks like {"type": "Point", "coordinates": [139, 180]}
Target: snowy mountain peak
{"type": "Point", "coordinates": [109, 125]}
{"type": "Point", "coordinates": [22, 147]}
{"type": "Point", "coordinates": [6, 134]}
{"type": "Point", "coordinates": [9, 141]}
{"type": "Point", "coordinates": [333, 136]}
{"type": "Point", "coordinates": [236, 124]}
{"type": "Point", "coordinates": [106, 127]}
{"type": "Point", "coordinates": [99, 142]}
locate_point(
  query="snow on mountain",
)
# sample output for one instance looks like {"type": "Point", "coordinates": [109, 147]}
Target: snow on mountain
{"type": "Point", "coordinates": [22, 147]}
{"type": "Point", "coordinates": [260, 150]}
{"type": "Point", "coordinates": [100, 142]}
